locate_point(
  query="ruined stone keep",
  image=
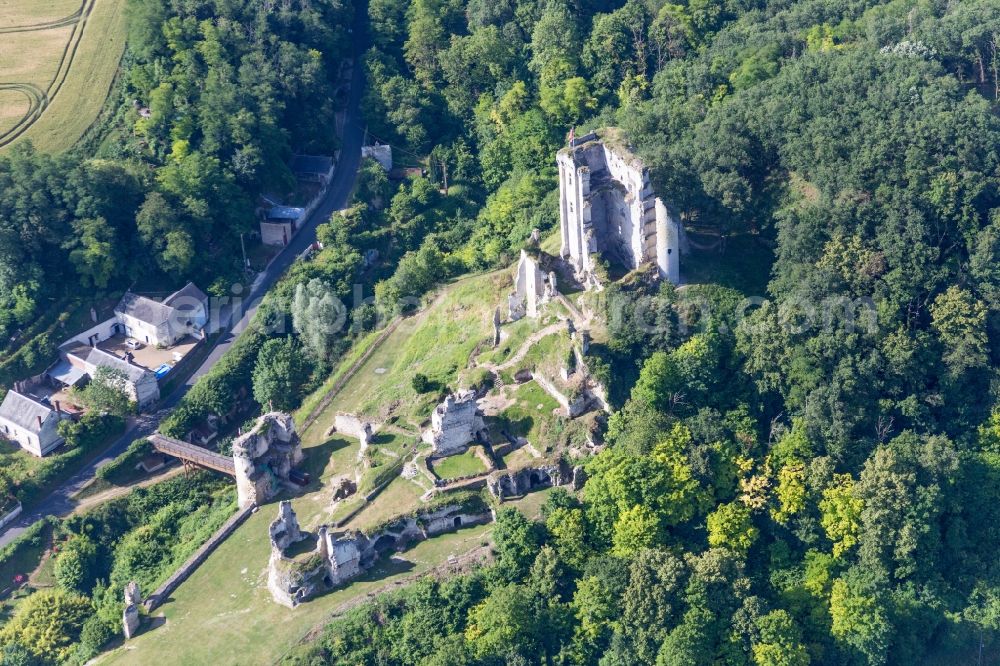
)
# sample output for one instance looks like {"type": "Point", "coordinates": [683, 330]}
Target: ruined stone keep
{"type": "Point", "coordinates": [264, 456]}
{"type": "Point", "coordinates": [607, 206]}
{"type": "Point", "coordinates": [455, 423]}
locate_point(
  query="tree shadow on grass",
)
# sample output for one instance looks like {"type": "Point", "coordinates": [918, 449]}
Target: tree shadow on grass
{"type": "Point", "coordinates": [386, 567]}
{"type": "Point", "coordinates": [316, 460]}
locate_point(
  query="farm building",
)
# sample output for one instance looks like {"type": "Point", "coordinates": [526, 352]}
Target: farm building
{"type": "Point", "coordinates": [140, 382]}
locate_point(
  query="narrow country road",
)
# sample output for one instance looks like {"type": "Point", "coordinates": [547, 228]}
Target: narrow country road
{"type": "Point", "coordinates": [58, 502]}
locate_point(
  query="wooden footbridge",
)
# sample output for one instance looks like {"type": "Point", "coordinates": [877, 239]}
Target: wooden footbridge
{"type": "Point", "coordinates": [192, 454]}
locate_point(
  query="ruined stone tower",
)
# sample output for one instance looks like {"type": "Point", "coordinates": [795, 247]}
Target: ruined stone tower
{"type": "Point", "coordinates": [607, 206]}
{"type": "Point", "coordinates": [263, 457]}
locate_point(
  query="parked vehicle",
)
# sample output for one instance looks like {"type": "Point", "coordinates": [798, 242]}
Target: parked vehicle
{"type": "Point", "coordinates": [301, 478]}
{"type": "Point", "coordinates": [133, 344]}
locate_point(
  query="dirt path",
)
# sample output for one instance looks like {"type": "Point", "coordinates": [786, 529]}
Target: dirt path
{"type": "Point", "coordinates": [532, 340]}
{"type": "Point", "coordinates": [114, 493]}
{"type": "Point", "coordinates": [579, 321]}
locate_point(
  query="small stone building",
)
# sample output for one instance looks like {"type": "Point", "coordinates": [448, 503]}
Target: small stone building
{"type": "Point", "coordinates": [140, 383]}
{"type": "Point", "coordinates": [455, 423]}
{"type": "Point", "coordinates": [31, 424]}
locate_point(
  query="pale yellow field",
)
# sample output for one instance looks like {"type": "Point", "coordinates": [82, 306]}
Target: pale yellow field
{"type": "Point", "coordinates": [33, 57]}
{"type": "Point", "coordinates": [20, 13]}
{"type": "Point", "coordinates": [14, 105]}
{"type": "Point", "coordinates": [58, 60]}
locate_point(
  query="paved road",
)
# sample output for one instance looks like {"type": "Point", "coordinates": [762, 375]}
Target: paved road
{"type": "Point", "coordinates": [58, 503]}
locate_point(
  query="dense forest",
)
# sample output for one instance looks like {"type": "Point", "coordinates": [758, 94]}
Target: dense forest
{"type": "Point", "coordinates": [213, 99]}
{"type": "Point", "coordinates": [797, 485]}
{"type": "Point", "coordinates": [814, 482]}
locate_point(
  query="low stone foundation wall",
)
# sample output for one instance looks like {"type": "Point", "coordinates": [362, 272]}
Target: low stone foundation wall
{"type": "Point", "coordinates": [193, 562]}
{"type": "Point", "coordinates": [9, 517]}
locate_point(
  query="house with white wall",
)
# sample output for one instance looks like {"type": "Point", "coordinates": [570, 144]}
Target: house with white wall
{"type": "Point", "coordinates": [164, 323]}
{"type": "Point", "coordinates": [33, 425]}
{"type": "Point", "coordinates": [140, 382]}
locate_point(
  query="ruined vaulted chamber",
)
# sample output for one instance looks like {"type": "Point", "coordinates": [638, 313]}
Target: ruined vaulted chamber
{"type": "Point", "coordinates": [607, 207]}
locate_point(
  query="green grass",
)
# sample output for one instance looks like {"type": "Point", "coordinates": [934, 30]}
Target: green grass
{"type": "Point", "coordinates": [316, 429]}
{"type": "Point", "coordinates": [45, 576]}
{"type": "Point", "coordinates": [462, 464]}
{"type": "Point", "coordinates": [399, 496]}
{"type": "Point", "coordinates": [223, 614]}
{"type": "Point", "coordinates": [225, 602]}
{"type": "Point", "coordinates": [532, 408]}
{"type": "Point", "coordinates": [437, 342]}
{"type": "Point", "coordinates": [24, 559]}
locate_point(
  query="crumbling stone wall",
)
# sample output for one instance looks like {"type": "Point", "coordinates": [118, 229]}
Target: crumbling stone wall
{"type": "Point", "coordinates": [532, 288]}
{"type": "Point", "coordinates": [519, 482]}
{"type": "Point", "coordinates": [304, 564]}
{"type": "Point", "coordinates": [607, 205]}
{"type": "Point", "coordinates": [455, 423]}
{"type": "Point", "coordinates": [264, 456]}
{"type": "Point", "coordinates": [130, 616]}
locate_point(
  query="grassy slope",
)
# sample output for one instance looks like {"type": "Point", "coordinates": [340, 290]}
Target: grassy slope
{"type": "Point", "coordinates": [88, 81]}
{"type": "Point", "coordinates": [436, 342]}
{"type": "Point", "coordinates": [225, 603]}
{"type": "Point", "coordinates": [224, 614]}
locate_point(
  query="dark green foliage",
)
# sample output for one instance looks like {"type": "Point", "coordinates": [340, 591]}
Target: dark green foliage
{"type": "Point", "coordinates": [232, 91]}
{"type": "Point", "coordinates": [280, 373]}
{"type": "Point", "coordinates": [806, 476]}
{"type": "Point", "coordinates": [127, 461]}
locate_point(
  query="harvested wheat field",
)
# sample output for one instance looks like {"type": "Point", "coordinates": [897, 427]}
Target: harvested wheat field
{"type": "Point", "coordinates": [58, 59]}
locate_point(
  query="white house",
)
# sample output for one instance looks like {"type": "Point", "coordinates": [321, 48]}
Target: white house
{"type": "Point", "coordinates": [185, 312]}
{"type": "Point", "coordinates": [140, 383]}
{"type": "Point", "coordinates": [32, 424]}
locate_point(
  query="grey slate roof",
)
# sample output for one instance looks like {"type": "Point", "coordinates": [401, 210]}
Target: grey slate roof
{"type": "Point", "coordinates": [66, 373]}
{"type": "Point", "coordinates": [285, 213]}
{"type": "Point", "coordinates": [154, 312]}
{"type": "Point", "coordinates": [24, 411]}
{"type": "Point", "coordinates": [187, 291]}
{"type": "Point", "coordinates": [312, 164]}
{"type": "Point", "coordinates": [99, 357]}
{"type": "Point", "coordinates": [144, 309]}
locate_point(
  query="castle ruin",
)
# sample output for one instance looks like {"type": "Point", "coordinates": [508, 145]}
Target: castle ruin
{"type": "Point", "coordinates": [532, 288]}
{"type": "Point", "coordinates": [130, 616]}
{"type": "Point", "coordinates": [264, 456]}
{"type": "Point", "coordinates": [304, 564]}
{"type": "Point", "coordinates": [607, 206]}
{"type": "Point", "coordinates": [455, 423]}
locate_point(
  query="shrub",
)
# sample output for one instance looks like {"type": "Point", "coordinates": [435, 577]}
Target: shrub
{"type": "Point", "coordinates": [135, 452]}
{"type": "Point", "coordinates": [421, 384]}
{"type": "Point", "coordinates": [47, 624]}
